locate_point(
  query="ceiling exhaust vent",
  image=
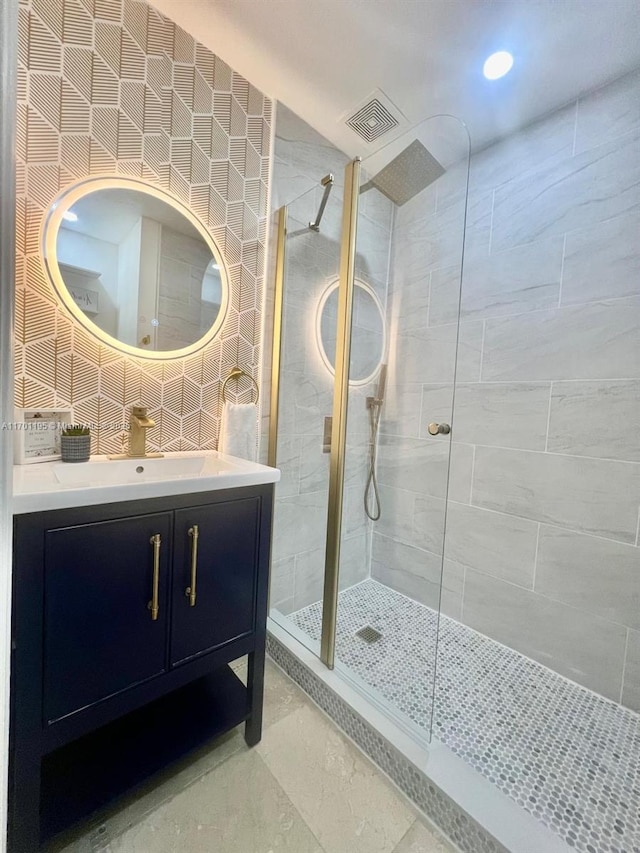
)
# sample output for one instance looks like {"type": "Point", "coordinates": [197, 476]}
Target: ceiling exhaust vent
{"type": "Point", "coordinates": [375, 117]}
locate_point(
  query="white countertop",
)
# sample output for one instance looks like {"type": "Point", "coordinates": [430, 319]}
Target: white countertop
{"type": "Point", "coordinates": [58, 485]}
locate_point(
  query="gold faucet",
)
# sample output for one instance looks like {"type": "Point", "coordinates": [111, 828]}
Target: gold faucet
{"type": "Point", "coordinates": [139, 423]}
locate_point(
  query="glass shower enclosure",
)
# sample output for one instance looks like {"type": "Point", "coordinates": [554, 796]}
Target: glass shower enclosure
{"type": "Point", "coordinates": [480, 586]}
{"type": "Point", "coordinates": [363, 387]}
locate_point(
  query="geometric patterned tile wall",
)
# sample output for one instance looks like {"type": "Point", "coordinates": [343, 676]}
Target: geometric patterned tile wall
{"type": "Point", "coordinates": [112, 87]}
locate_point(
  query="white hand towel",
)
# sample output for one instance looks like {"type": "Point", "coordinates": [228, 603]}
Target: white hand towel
{"type": "Point", "coordinates": [238, 432]}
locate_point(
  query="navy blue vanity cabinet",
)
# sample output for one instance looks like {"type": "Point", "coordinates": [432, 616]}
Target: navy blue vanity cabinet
{"type": "Point", "coordinates": [125, 619]}
{"type": "Point", "coordinates": [214, 548]}
{"type": "Point", "coordinates": [100, 634]}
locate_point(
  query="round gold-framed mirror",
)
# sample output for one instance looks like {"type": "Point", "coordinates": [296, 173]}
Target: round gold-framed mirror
{"type": "Point", "coordinates": [135, 267]}
{"type": "Point", "coordinates": [368, 331]}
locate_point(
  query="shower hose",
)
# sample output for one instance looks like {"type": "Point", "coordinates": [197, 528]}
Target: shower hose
{"type": "Point", "coordinates": [373, 512]}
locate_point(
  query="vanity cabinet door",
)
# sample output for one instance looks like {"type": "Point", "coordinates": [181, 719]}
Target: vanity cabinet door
{"type": "Point", "coordinates": [100, 636]}
{"type": "Point", "coordinates": [223, 559]}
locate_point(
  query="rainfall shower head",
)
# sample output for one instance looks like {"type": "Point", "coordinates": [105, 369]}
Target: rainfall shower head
{"type": "Point", "coordinates": [407, 174]}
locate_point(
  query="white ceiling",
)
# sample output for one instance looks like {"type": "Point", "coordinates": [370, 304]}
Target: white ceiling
{"type": "Point", "coordinates": [323, 57]}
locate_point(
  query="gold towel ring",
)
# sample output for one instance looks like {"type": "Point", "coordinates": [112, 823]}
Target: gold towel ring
{"type": "Point", "coordinates": [236, 373]}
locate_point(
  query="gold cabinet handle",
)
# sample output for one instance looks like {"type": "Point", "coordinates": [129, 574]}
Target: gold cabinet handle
{"type": "Point", "coordinates": [190, 591]}
{"type": "Point", "coordinates": [154, 604]}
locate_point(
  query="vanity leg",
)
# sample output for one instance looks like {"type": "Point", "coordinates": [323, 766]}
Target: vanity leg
{"type": "Point", "coordinates": [255, 686]}
{"type": "Point", "coordinates": [24, 815]}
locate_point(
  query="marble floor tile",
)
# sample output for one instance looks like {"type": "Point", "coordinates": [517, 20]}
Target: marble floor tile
{"type": "Point", "coordinates": [225, 799]}
{"type": "Point", "coordinates": [238, 807]}
{"type": "Point", "coordinates": [95, 835]}
{"type": "Point", "coordinates": [343, 798]}
{"type": "Point", "coordinates": [281, 696]}
{"type": "Point", "coordinates": [421, 839]}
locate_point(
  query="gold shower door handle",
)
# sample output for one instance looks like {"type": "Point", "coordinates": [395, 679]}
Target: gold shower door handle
{"type": "Point", "coordinates": [154, 604]}
{"type": "Point", "coordinates": [439, 429]}
{"type": "Point", "coordinates": [190, 591]}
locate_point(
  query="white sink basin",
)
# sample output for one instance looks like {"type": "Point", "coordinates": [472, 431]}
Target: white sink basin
{"type": "Point", "coordinates": [57, 485]}
{"type": "Point", "coordinates": [101, 472]}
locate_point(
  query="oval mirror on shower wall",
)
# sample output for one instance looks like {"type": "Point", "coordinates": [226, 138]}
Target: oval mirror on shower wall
{"type": "Point", "coordinates": [368, 331]}
{"type": "Point", "coordinates": [136, 267]}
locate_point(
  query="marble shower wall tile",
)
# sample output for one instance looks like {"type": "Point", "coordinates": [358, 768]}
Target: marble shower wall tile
{"type": "Point", "coordinates": [308, 576]}
{"type": "Point", "coordinates": [432, 242]}
{"type": "Point", "coordinates": [460, 471]}
{"type": "Point", "coordinates": [510, 282]}
{"type": "Point", "coordinates": [573, 642]}
{"type": "Point", "coordinates": [596, 575]}
{"type": "Point", "coordinates": [526, 152]}
{"type": "Point", "coordinates": [296, 524]}
{"type": "Point", "coordinates": [413, 464]}
{"type": "Point", "coordinates": [282, 579]}
{"type": "Point", "coordinates": [355, 559]}
{"type": "Point", "coordinates": [289, 457]}
{"type": "Point", "coordinates": [412, 571]}
{"type": "Point", "coordinates": [572, 192]}
{"type": "Point", "coordinates": [594, 496]}
{"type": "Point", "coordinates": [477, 234]}
{"type": "Point", "coordinates": [408, 309]}
{"type": "Point", "coordinates": [313, 464]}
{"type": "Point", "coordinates": [428, 523]}
{"type": "Point", "coordinates": [304, 401]}
{"type": "Point", "coordinates": [594, 341]}
{"type": "Point", "coordinates": [599, 419]}
{"type": "Point", "coordinates": [397, 519]}
{"type": "Point", "coordinates": [372, 251]}
{"type": "Point", "coordinates": [452, 593]}
{"type": "Point", "coordinates": [631, 687]}
{"type": "Point", "coordinates": [412, 519]}
{"type": "Point", "coordinates": [354, 520]}
{"type": "Point", "coordinates": [402, 405]}
{"type": "Point", "coordinates": [445, 290]}
{"type": "Point", "coordinates": [312, 156]}
{"type": "Point", "coordinates": [431, 354]}
{"type": "Point", "coordinates": [291, 183]}
{"type": "Point", "coordinates": [437, 406]}
{"type": "Point", "coordinates": [501, 414]}
{"type": "Point", "coordinates": [608, 113]}
{"type": "Point", "coordinates": [602, 262]}
{"type": "Point", "coordinates": [494, 543]}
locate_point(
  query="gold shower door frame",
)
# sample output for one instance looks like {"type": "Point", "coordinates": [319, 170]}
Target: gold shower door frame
{"type": "Point", "coordinates": [340, 394]}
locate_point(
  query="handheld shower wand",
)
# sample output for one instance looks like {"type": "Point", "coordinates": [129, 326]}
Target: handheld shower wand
{"type": "Point", "coordinates": [374, 405]}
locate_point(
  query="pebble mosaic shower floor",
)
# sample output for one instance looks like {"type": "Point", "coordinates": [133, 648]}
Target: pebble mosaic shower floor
{"type": "Point", "coordinates": [566, 755]}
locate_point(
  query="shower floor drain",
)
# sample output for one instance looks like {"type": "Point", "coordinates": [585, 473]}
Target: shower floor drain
{"type": "Point", "coordinates": [369, 634]}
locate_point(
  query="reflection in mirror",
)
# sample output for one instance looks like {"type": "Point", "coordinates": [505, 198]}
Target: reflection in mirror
{"type": "Point", "coordinates": [138, 268]}
{"type": "Point", "coordinates": [368, 333]}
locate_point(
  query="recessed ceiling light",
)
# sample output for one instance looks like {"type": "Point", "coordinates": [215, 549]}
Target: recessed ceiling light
{"type": "Point", "coordinates": [497, 65]}
{"type": "Point", "coordinates": [70, 216]}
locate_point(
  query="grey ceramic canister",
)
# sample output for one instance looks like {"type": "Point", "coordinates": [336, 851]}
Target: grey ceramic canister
{"type": "Point", "coordinates": [75, 448]}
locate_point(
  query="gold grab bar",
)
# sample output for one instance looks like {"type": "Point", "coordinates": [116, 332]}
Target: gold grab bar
{"type": "Point", "coordinates": [194, 533]}
{"type": "Point", "coordinates": [154, 605]}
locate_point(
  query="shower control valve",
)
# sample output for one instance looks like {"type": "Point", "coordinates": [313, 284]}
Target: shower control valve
{"type": "Point", "coordinates": [439, 429]}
